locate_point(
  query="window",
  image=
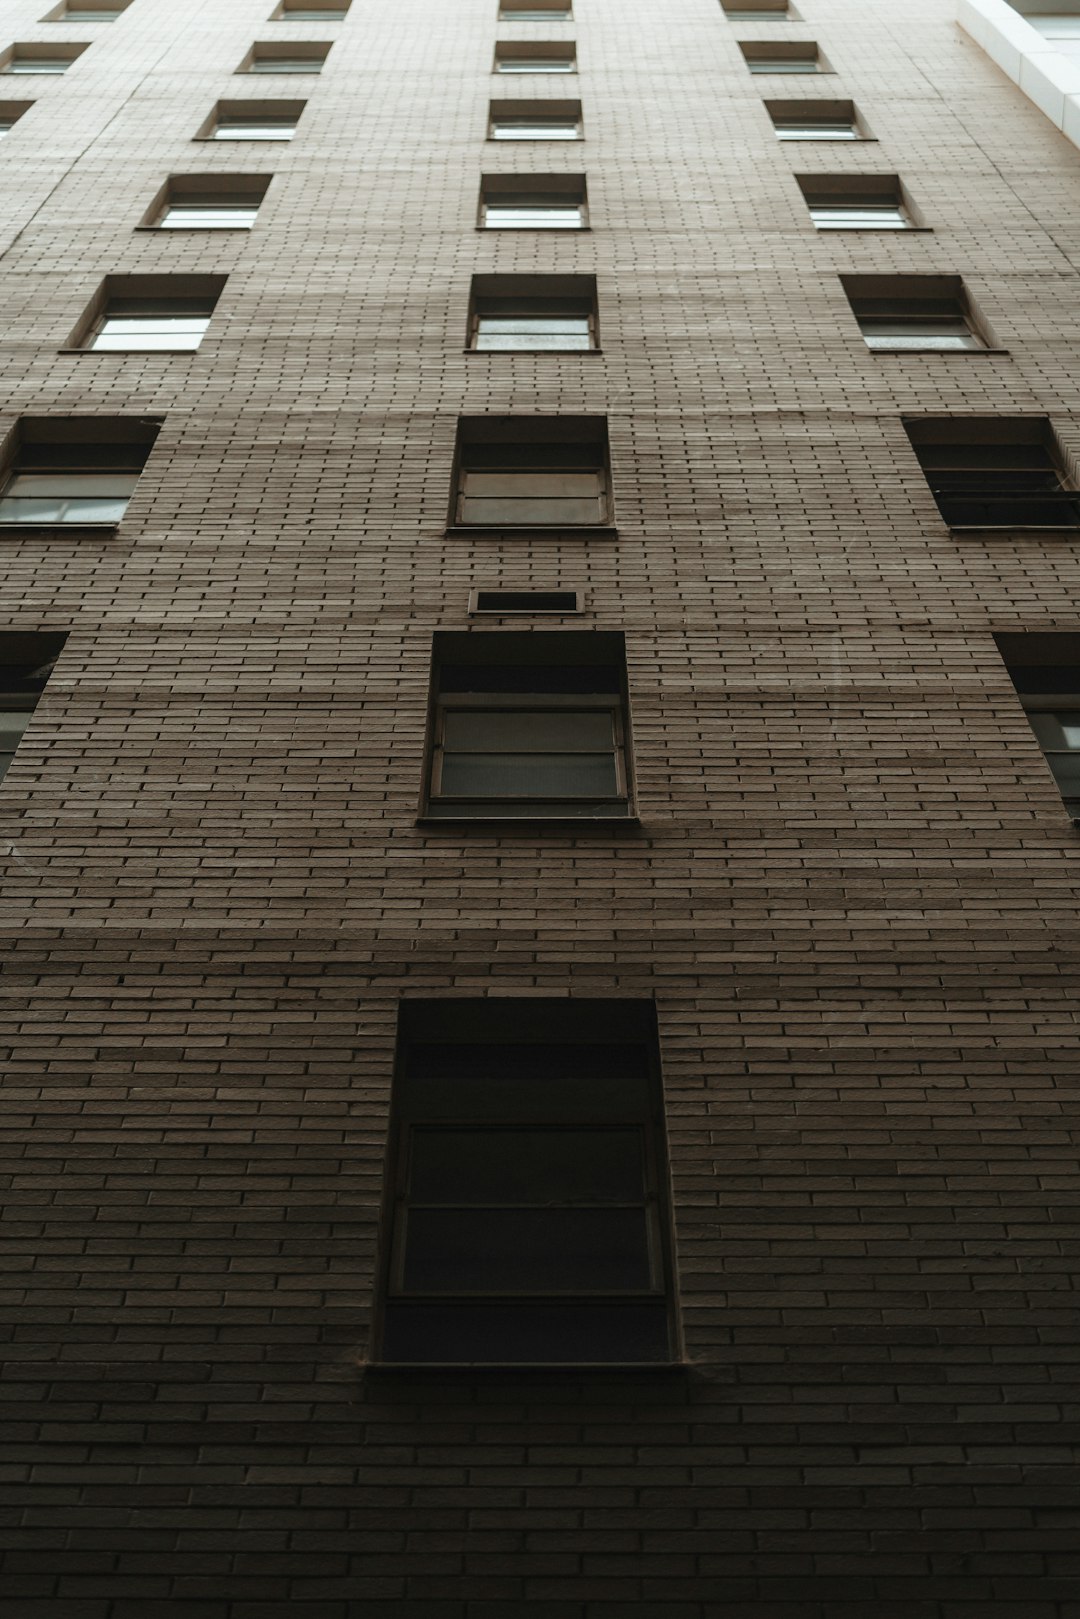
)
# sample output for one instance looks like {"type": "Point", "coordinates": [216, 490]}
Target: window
{"type": "Point", "coordinates": [534, 11]}
{"type": "Point", "coordinates": [535, 121]}
{"type": "Point", "coordinates": [511, 603]}
{"type": "Point", "coordinates": [10, 113]}
{"type": "Point", "coordinates": [87, 11]}
{"type": "Point", "coordinates": [1045, 669]}
{"type": "Point", "coordinates": [527, 1210]}
{"type": "Point", "coordinates": [39, 58]}
{"type": "Point", "coordinates": [528, 56]}
{"type": "Point", "coordinates": [207, 202]}
{"type": "Point", "coordinates": [73, 470]}
{"type": "Point", "coordinates": [533, 202]}
{"type": "Point", "coordinates": [528, 725]}
{"type": "Point", "coordinates": [815, 120]}
{"type": "Point", "coordinates": [252, 121]}
{"type": "Point", "coordinates": [995, 471]}
{"type": "Point", "coordinates": [782, 56]}
{"type": "Point", "coordinates": [26, 662]}
{"type": "Point", "coordinates": [757, 10]}
{"type": "Point", "coordinates": [532, 313]}
{"type": "Point", "coordinates": [299, 56]}
{"type": "Point", "coordinates": [1063, 24]}
{"type": "Point", "coordinates": [912, 313]}
{"type": "Point", "coordinates": [856, 202]}
{"type": "Point", "coordinates": [141, 313]}
{"type": "Point", "coordinates": [532, 472]}
{"type": "Point", "coordinates": [305, 11]}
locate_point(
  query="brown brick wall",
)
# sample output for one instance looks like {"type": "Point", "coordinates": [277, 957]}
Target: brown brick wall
{"type": "Point", "coordinates": [853, 892]}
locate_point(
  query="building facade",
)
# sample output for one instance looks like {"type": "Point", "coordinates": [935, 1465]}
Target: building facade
{"type": "Point", "coordinates": [541, 653]}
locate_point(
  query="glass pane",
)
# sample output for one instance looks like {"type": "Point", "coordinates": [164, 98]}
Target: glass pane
{"type": "Point", "coordinates": [313, 14]}
{"type": "Point", "coordinates": [1054, 25]}
{"type": "Point", "coordinates": [1066, 768]}
{"type": "Point", "coordinates": [512, 1332]}
{"type": "Point", "coordinates": [525, 731]}
{"type": "Point", "coordinates": [535, 325]}
{"type": "Point", "coordinates": [80, 510]}
{"type": "Point", "coordinates": [532, 485]}
{"type": "Point", "coordinates": [552, 14]}
{"type": "Point", "coordinates": [535, 64]}
{"type": "Point", "coordinates": [66, 484]}
{"type": "Point", "coordinates": [548, 513]}
{"type": "Point", "coordinates": [515, 217]}
{"type": "Point", "coordinates": [200, 216]}
{"type": "Point", "coordinates": [540, 339]}
{"type": "Point", "coordinates": [254, 132]}
{"type": "Point", "coordinates": [526, 1251]}
{"type": "Point", "coordinates": [525, 1166]}
{"type": "Point", "coordinates": [13, 722]}
{"type": "Point", "coordinates": [285, 64]}
{"type": "Point", "coordinates": [5, 127]}
{"type": "Point", "coordinates": [817, 132]}
{"type": "Point", "coordinates": [782, 64]}
{"type": "Point", "coordinates": [119, 335]}
{"type": "Point", "coordinates": [30, 64]}
{"type": "Point", "coordinates": [860, 218]}
{"type": "Point", "coordinates": [529, 775]}
{"type": "Point", "coordinates": [524, 129]}
{"type": "Point", "coordinates": [1057, 730]}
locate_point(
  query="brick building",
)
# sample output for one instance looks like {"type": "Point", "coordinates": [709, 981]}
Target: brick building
{"type": "Point", "coordinates": [542, 608]}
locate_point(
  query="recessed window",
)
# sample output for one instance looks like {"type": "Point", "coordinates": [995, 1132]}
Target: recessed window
{"type": "Point", "coordinates": [10, 113]}
{"type": "Point", "coordinates": [79, 471]}
{"type": "Point", "coordinates": [995, 471]}
{"type": "Point", "coordinates": [516, 603]}
{"type": "Point", "coordinates": [26, 662]}
{"type": "Point", "coordinates": [535, 121]}
{"type": "Point", "coordinates": [783, 56]}
{"type": "Point", "coordinates": [29, 59]}
{"type": "Point", "coordinates": [535, 11]}
{"type": "Point", "coordinates": [815, 120]}
{"type": "Point", "coordinates": [1063, 24]}
{"type": "Point", "coordinates": [295, 57]}
{"type": "Point", "coordinates": [913, 313]}
{"type": "Point", "coordinates": [532, 313]}
{"type": "Point", "coordinates": [252, 121]}
{"type": "Point", "coordinates": [208, 202]}
{"type": "Point", "coordinates": [87, 11]}
{"type": "Point", "coordinates": [1045, 669]}
{"type": "Point", "coordinates": [856, 202]}
{"type": "Point", "coordinates": [305, 11]}
{"type": "Point", "coordinates": [528, 725]}
{"type": "Point", "coordinates": [757, 10]}
{"type": "Point", "coordinates": [533, 202]}
{"type": "Point", "coordinates": [139, 314]}
{"type": "Point", "coordinates": [528, 1210]}
{"type": "Point", "coordinates": [532, 472]}
{"type": "Point", "coordinates": [529, 56]}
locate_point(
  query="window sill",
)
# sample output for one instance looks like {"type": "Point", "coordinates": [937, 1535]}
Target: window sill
{"type": "Point", "coordinates": [191, 230]}
{"type": "Point", "coordinates": [825, 140]}
{"type": "Point", "coordinates": [552, 531]}
{"type": "Point", "coordinates": [562, 824]}
{"type": "Point", "coordinates": [124, 353]}
{"type": "Point", "coordinates": [555, 230]}
{"type": "Point", "coordinates": [948, 354]}
{"type": "Point", "coordinates": [559, 352]}
{"type": "Point", "coordinates": [890, 230]}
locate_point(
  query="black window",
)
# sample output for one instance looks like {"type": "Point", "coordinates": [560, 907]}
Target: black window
{"type": "Point", "coordinates": [995, 472]}
{"type": "Point", "coordinates": [26, 662]}
{"type": "Point", "coordinates": [1045, 669]}
{"type": "Point", "coordinates": [528, 1207]}
{"type": "Point", "coordinates": [78, 471]}
{"type": "Point", "coordinates": [528, 725]}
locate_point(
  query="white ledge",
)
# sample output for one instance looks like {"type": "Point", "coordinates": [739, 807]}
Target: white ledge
{"type": "Point", "coordinates": [1047, 76]}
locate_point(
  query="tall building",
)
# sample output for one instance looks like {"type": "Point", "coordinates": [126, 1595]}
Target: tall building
{"type": "Point", "coordinates": [541, 630]}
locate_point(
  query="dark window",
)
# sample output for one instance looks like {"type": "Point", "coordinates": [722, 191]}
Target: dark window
{"type": "Point", "coordinates": [856, 201]}
{"type": "Point", "coordinates": [143, 313]}
{"type": "Point", "coordinates": [525, 601]}
{"type": "Point", "coordinates": [533, 202]}
{"type": "Point", "coordinates": [757, 10]}
{"type": "Point", "coordinates": [87, 11]}
{"type": "Point", "coordinates": [1045, 669]}
{"type": "Point", "coordinates": [534, 121]}
{"type": "Point", "coordinates": [530, 313]}
{"type": "Point", "coordinates": [815, 120]}
{"type": "Point", "coordinates": [995, 472]}
{"type": "Point", "coordinates": [34, 58]}
{"type": "Point", "coordinates": [10, 113]}
{"type": "Point", "coordinates": [783, 56]}
{"type": "Point", "coordinates": [26, 662]}
{"type": "Point", "coordinates": [207, 202]}
{"type": "Point", "coordinates": [535, 10]}
{"type": "Point", "coordinates": [252, 121]}
{"type": "Point", "coordinates": [73, 471]}
{"type": "Point", "coordinates": [532, 472]}
{"type": "Point", "coordinates": [311, 10]}
{"type": "Point", "coordinates": [535, 56]}
{"type": "Point", "coordinates": [528, 1217]}
{"type": "Point", "coordinates": [300, 56]}
{"type": "Point", "coordinates": [528, 726]}
{"type": "Point", "coordinates": [912, 312]}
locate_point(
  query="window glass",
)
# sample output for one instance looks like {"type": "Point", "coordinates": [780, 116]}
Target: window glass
{"type": "Point", "coordinates": [285, 64]}
{"type": "Point", "coordinates": [120, 332]}
{"type": "Point", "coordinates": [535, 129]}
{"type": "Point", "coordinates": [535, 64]}
{"type": "Point", "coordinates": [66, 497]}
{"type": "Point", "coordinates": [858, 216]}
{"type": "Point", "coordinates": [208, 216]}
{"type": "Point", "coordinates": [511, 1166]}
{"type": "Point", "coordinates": [254, 129]}
{"type": "Point", "coordinates": [503, 324]}
{"type": "Point", "coordinates": [533, 214]}
{"type": "Point", "coordinates": [13, 722]}
{"type": "Point", "coordinates": [38, 64]}
{"type": "Point", "coordinates": [783, 64]}
{"type": "Point", "coordinates": [914, 333]}
{"type": "Point", "coordinates": [532, 497]}
{"type": "Point", "coordinates": [1054, 25]}
{"type": "Point", "coordinates": [827, 130]}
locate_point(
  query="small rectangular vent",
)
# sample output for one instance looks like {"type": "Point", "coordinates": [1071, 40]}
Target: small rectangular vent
{"type": "Point", "coordinates": [525, 601]}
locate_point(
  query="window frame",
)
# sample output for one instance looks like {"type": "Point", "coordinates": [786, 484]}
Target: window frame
{"type": "Point", "coordinates": [34, 655]}
{"type": "Point", "coordinates": [944, 299]}
{"type": "Point", "coordinates": [527, 431]}
{"type": "Point", "coordinates": [221, 190]}
{"type": "Point", "coordinates": [543, 189]}
{"type": "Point", "coordinates": [996, 434]}
{"type": "Point", "coordinates": [488, 290]}
{"type": "Point", "coordinates": [36, 446]}
{"type": "Point", "coordinates": [532, 54]}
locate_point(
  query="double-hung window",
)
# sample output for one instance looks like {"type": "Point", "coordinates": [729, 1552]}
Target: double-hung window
{"type": "Point", "coordinates": [26, 662]}
{"type": "Point", "coordinates": [74, 471]}
{"type": "Point", "coordinates": [529, 725]}
{"type": "Point", "coordinates": [528, 1205]}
